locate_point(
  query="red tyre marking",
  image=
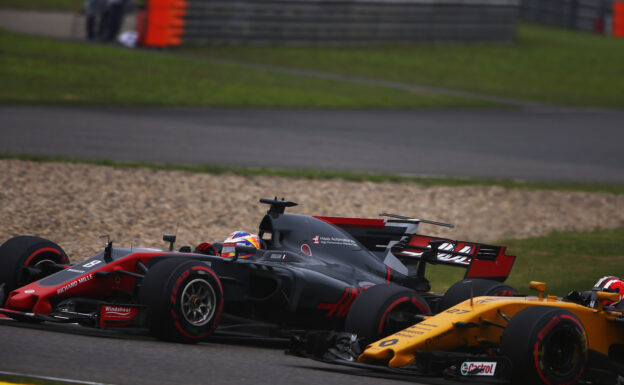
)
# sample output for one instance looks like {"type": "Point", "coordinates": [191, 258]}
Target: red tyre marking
{"type": "Point", "coordinates": [421, 306]}
{"type": "Point", "coordinates": [549, 326]}
{"type": "Point", "coordinates": [189, 335]}
{"type": "Point", "coordinates": [211, 273]}
{"type": "Point", "coordinates": [217, 315]}
{"type": "Point", "coordinates": [44, 250]}
{"type": "Point", "coordinates": [581, 328]}
{"type": "Point", "coordinates": [394, 304]}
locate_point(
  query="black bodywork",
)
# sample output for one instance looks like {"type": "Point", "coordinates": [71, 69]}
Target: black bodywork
{"type": "Point", "coordinates": [307, 275]}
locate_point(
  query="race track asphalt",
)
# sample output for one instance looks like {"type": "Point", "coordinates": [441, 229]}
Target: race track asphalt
{"type": "Point", "coordinates": [544, 144]}
{"type": "Point", "coordinates": [75, 353]}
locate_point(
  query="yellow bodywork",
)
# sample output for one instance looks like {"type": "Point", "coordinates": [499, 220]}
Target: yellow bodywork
{"type": "Point", "coordinates": [473, 323]}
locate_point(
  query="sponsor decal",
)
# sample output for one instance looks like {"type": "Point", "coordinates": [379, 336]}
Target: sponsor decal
{"type": "Point", "coordinates": [433, 340]}
{"type": "Point", "coordinates": [67, 287]}
{"type": "Point", "coordinates": [111, 315]}
{"type": "Point", "coordinates": [305, 249]}
{"type": "Point", "coordinates": [277, 257]}
{"type": "Point", "coordinates": [458, 259]}
{"type": "Point", "coordinates": [117, 312]}
{"type": "Point", "coordinates": [342, 306]}
{"type": "Point", "coordinates": [409, 333]}
{"type": "Point", "coordinates": [321, 240]}
{"type": "Point", "coordinates": [75, 283]}
{"type": "Point", "coordinates": [76, 270]}
{"type": "Point", "coordinates": [469, 368]}
{"type": "Point", "coordinates": [29, 291]}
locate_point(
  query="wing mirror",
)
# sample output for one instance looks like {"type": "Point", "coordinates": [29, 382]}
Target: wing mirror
{"type": "Point", "coordinates": [602, 296]}
{"type": "Point", "coordinates": [171, 238]}
{"type": "Point", "coordinates": [539, 286]}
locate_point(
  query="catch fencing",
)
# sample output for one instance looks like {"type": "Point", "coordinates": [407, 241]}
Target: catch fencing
{"type": "Point", "coordinates": [599, 16]}
{"type": "Point", "coordinates": [326, 22]}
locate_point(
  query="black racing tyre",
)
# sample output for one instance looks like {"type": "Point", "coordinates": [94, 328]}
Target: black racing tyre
{"type": "Point", "coordinates": [384, 309]}
{"type": "Point", "coordinates": [26, 251]}
{"type": "Point", "coordinates": [184, 298]}
{"type": "Point", "coordinates": [460, 291]}
{"type": "Point", "coordinates": [547, 345]}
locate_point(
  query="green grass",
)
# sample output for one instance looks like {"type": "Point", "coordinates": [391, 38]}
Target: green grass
{"type": "Point", "coordinates": [550, 65]}
{"type": "Point", "coordinates": [42, 71]}
{"type": "Point", "coordinates": [564, 260]}
{"type": "Point", "coordinates": [43, 5]}
{"type": "Point", "coordinates": [319, 174]}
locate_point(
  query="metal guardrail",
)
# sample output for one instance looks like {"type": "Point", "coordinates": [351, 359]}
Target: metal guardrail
{"type": "Point", "coordinates": [333, 22]}
{"type": "Point", "coordinates": [588, 15]}
{"type": "Point", "coordinates": [347, 22]}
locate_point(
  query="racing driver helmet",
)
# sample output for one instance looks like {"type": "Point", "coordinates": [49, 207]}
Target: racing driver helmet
{"type": "Point", "coordinates": [239, 238]}
{"type": "Point", "coordinates": [610, 284]}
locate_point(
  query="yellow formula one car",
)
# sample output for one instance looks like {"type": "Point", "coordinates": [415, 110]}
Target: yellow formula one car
{"type": "Point", "coordinates": [525, 340]}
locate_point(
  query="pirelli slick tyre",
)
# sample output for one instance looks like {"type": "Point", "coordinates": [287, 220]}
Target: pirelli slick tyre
{"type": "Point", "coordinates": [22, 259]}
{"type": "Point", "coordinates": [547, 345]}
{"type": "Point", "coordinates": [384, 309]}
{"type": "Point", "coordinates": [460, 291]}
{"type": "Point", "coordinates": [184, 298]}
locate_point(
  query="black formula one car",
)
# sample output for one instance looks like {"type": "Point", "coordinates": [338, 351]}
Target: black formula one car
{"type": "Point", "coordinates": [366, 276]}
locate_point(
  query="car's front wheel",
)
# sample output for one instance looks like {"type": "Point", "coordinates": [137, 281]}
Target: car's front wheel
{"type": "Point", "coordinates": [25, 259]}
{"type": "Point", "coordinates": [547, 345]}
{"type": "Point", "coordinates": [184, 298]}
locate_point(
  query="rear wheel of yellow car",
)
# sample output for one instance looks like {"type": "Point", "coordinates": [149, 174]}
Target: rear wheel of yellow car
{"type": "Point", "coordinates": [547, 345]}
{"type": "Point", "coordinates": [461, 291]}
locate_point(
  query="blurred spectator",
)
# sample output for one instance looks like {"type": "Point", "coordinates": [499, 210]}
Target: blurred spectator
{"type": "Point", "coordinates": [94, 10]}
{"type": "Point", "coordinates": [111, 20]}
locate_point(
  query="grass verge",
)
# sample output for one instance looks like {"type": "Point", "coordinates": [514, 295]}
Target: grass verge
{"type": "Point", "coordinates": [564, 260]}
{"type": "Point", "coordinates": [545, 64]}
{"type": "Point", "coordinates": [320, 174]}
{"type": "Point", "coordinates": [43, 71]}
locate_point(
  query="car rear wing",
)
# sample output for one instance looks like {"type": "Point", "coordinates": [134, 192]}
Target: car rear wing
{"type": "Point", "coordinates": [480, 260]}
{"type": "Point", "coordinates": [392, 238]}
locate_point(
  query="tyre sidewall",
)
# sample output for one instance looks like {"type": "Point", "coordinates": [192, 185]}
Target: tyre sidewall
{"type": "Point", "coordinates": [369, 311]}
{"type": "Point", "coordinates": [166, 318]}
{"type": "Point", "coordinates": [526, 338]}
{"type": "Point", "coordinates": [460, 291]}
{"type": "Point", "coordinates": [26, 251]}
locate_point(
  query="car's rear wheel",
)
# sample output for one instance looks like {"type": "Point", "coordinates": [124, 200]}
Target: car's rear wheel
{"type": "Point", "coordinates": [547, 345]}
{"type": "Point", "coordinates": [384, 309]}
{"type": "Point", "coordinates": [23, 260]}
{"type": "Point", "coordinates": [184, 298]}
{"type": "Point", "coordinates": [461, 291]}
